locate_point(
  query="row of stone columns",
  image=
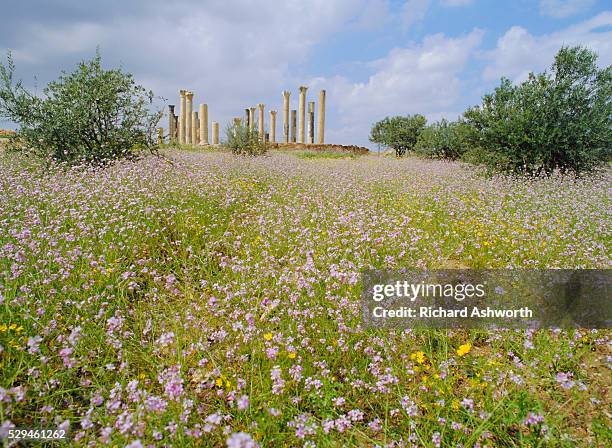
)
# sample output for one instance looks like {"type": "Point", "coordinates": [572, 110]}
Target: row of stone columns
{"type": "Point", "coordinates": [190, 127]}
{"type": "Point", "coordinates": [289, 121]}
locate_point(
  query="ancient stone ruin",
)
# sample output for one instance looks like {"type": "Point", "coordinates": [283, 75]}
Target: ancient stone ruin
{"type": "Point", "coordinates": [190, 127]}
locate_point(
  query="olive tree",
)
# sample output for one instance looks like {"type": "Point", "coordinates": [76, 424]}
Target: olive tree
{"type": "Point", "coordinates": [89, 115]}
{"type": "Point", "coordinates": [560, 119]}
{"type": "Point", "coordinates": [398, 133]}
{"type": "Point", "coordinates": [444, 140]}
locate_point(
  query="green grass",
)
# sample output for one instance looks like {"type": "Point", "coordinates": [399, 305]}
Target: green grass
{"type": "Point", "coordinates": [325, 155]}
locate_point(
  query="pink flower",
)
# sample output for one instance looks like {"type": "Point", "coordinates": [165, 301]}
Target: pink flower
{"type": "Point", "coordinates": [243, 402]}
{"type": "Point", "coordinates": [241, 440]}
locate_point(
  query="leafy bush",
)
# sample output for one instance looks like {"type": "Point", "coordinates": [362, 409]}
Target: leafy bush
{"type": "Point", "coordinates": [243, 141]}
{"type": "Point", "coordinates": [90, 115]}
{"type": "Point", "coordinates": [444, 140]}
{"type": "Point", "coordinates": [398, 133]}
{"type": "Point", "coordinates": [557, 120]}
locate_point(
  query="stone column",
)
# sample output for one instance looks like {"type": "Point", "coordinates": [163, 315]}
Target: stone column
{"type": "Point", "coordinates": [286, 95]}
{"type": "Point", "coordinates": [171, 123]}
{"type": "Point", "coordinates": [251, 119]}
{"type": "Point", "coordinates": [273, 126]}
{"type": "Point", "coordinates": [215, 133]}
{"type": "Point", "coordinates": [188, 111]}
{"type": "Point", "coordinates": [293, 125]}
{"type": "Point", "coordinates": [302, 109]}
{"type": "Point", "coordinates": [160, 136]}
{"type": "Point", "coordinates": [176, 128]}
{"type": "Point", "coordinates": [203, 124]}
{"type": "Point", "coordinates": [262, 135]}
{"type": "Point", "coordinates": [247, 118]}
{"type": "Point", "coordinates": [321, 123]}
{"type": "Point", "coordinates": [183, 106]}
{"type": "Point", "coordinates": [197, 132]}
{"type": "Point", "coordinates": [311, 108]}
{"type": "Point", "coordinates": [195, 128]}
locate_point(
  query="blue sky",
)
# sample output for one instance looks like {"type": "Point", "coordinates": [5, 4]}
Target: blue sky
{"type": "Point", "coordinates": [374, 57]}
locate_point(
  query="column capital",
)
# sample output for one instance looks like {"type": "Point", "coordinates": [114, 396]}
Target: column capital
{"type": "Point", "coordinates": [273, 112]}
{"type": "Point", "coordinates": [286, 93]}
{"type": "Point", "coordinates": [182, 92]}
{"type": "Point", "coordinates": [261, 106]}
{"type": "Point", "coordinates": [189, 95]}
{"type": "Point", "coordinates": [303, 89]}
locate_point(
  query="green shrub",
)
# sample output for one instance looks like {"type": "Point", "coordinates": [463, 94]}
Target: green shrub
{"type": "Point", "coordinates": [444, 140]}
{"type": "Point", "coordinates": [398, 133]}
{"type": "Point", "coordinates": [243, 141]}
{"type": "Point", "coordinates": [557, 120]}
{"type": "Point", "coordinates": [90, 115]}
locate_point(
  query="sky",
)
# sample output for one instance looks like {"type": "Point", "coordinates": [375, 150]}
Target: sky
{"type": "Point", "coordinates": [375, 58]}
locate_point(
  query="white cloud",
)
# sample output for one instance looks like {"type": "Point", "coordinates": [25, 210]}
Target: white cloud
{"type": "Point", "coordinates": [452, 3]}
{"type": "Point", "coordinates": [421, 78]}
{"type": "Point", "coordinates": [48, 41]}
{"type": "Point", "coordinates": [518, 52]}
{"type": "Point", "coordinates": [413, 11]}
{"type": "Point", "coordinates": [240, 53]}
{"type": "Point", "coordinates": [564, 8]}
{"type": "Point", "coordinates": [231, 54]}
{"type": "Point", "coordinates": [373, 14]}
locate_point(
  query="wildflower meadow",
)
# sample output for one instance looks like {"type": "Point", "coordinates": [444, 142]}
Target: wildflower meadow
{"type": "Point", "coordinates": [197, 298]}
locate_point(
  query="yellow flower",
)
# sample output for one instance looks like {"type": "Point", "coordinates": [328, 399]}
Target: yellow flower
{"type": "Point", "coordinates": [268, 336]}
{"type": "Point", "coordinates": [19, 329]}
{"type": "Point", "coordinates": [291, 355]}
{"type": "Point", "coordinates": [464, 349]}
{"type": "Point", "coordinates": [455, 405]}
{"type": "Point", "coordinates": [3, 328]}
{"type": "Point", "coordinates": [219, 382]}
{"type": "Point", "coordinates": [12, 326]}
{"type": "Point", "coordinates": [419, 357]}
